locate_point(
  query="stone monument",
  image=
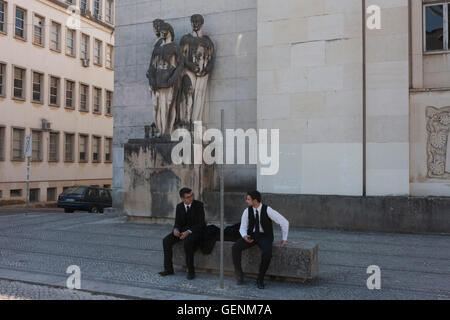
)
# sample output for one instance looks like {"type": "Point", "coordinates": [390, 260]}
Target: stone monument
{"type": "Point", "coordinates": [178, 80]}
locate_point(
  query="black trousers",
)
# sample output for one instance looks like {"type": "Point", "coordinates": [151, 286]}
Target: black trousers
{"type": "Point", "coordinates": [190, 244]}
{"type": "Point", "coordinates": [264, 243]}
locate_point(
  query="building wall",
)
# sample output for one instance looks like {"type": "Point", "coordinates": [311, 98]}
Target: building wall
{"type": "Point", "coordinates": [310, 87]}
{"type": "Point", "coordinates": [388, 101]}
{"type": "Point", "coordinates": [231, 25]}
{"type": "Point", "coordinates": [430, 83]}
{"type": "Point", "coordinates": [28, 115]}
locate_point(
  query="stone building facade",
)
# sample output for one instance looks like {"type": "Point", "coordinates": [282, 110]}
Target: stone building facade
{"type": "Point", "coordinates": [363, 113]}
{"type": "Point", "coordinates": [57, 84]}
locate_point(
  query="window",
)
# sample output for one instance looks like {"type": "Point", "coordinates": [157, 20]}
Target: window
{"type": "Point", "coordinates": [97, 100]}
{"type": "Point", "coordinates": [20, 23]}
{"type": "Point", "coordinates": [2, 79]}
{"type": "Point", "coordinates": [84, 4]}
{"type": "Point", "coordinates": [53, 148]}
{"type": "Point", "coordinates": [98, 9]}
{"type": "Point", "coordinates": [18, 141]}
{"type": "Point", "coordinates": [70, 42]}
{"type": "Point", "coordinates": [38, 85]}
{"type": "Point", "coordinates": [109, 56]}
{"type": "Point", "coordinates": [98, 52]}
{"type": "Point", "coordinates": [2, 143]}
{"type": "Point", "coordinates": [84, 97]}
{"type": "Point", "coordinates": [15, 193]}
{"type": "Point", "coordinates": [36, 147]}
{"type": "Point", "coordinates": [70, 88]}
{"type": "Point", "coordinates": [108, 149]}
{"type": "Point", "coordinates": [3, 19]}
{"type": "Point", "coordinates": [109, 11]}
{"type": "Point", "coordinates": [109, 102]}
{"type": "Point", "coordinates": [54, 91]}
{"type": "Point", "coordinates": [51, 194]}
{"type": "Point", "coordinates": [96, 149]}
{"type": "Point", "coordinates": [84, 46]}
{"type": "Point", "coordinates": [68, 148]}
{"type": "Point", "coordinates": [83, 148]}
{"type": "Point", "coordinates": [55, 37]}
{"type": "Point", "coordinates": [19, 83]}
{"type": "Point", "coordinates": [38, 30]}
{"type": "Point", "coordinates": [35, 195]}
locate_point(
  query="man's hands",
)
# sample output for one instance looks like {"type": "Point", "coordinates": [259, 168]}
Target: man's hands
{"type": "Point", "coordinates": [283, 243]}
{"type": "Point", "coordinates": [181, 235]}
{"type": "Point", "coordinates": [248, 239]}
{"type": "Point", "coordinates": [184, 235]}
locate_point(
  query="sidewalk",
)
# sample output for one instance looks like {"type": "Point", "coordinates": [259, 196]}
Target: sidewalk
{"type": "Point", "coordinates": [120, 258]}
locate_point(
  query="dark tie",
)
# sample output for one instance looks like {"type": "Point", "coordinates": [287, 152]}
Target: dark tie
{"type": "Point", "coordinates": [257, 224]}
{"type": "Point", "coordinates": [187, 208]}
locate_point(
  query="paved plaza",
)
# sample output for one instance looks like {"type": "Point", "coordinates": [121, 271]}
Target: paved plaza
{"type": "Point", "coordinates": [118, 259]}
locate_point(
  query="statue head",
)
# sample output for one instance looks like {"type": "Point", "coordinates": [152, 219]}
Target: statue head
{"type": "Point", "coordinates": [157, 26]}
{"type": "Point", "coordinates": [166, 31]}
{"type": "Point", "coordinates": [197, 22]}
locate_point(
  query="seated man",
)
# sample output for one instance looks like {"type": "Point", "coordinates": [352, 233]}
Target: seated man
{"type": "Point", "coordinates": [257, 228]}
{"type": "Point", "coordinates": [189, 227]}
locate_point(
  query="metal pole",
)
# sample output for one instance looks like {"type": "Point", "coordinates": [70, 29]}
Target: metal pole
{"type": "Point", "coordinates": [364, 96]}
{"type": "Point", "coordinates": [222, 194]}
{"type": "Point", "coordinates": [28, 185]}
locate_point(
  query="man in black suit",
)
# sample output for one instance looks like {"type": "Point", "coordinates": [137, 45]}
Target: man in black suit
{"type": "Point", "coordinates": [189, 227]}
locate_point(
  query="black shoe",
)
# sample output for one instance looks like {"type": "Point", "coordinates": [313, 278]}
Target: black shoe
{"type": "Point", "coordinates": [260, 284]}
{"type": "Point", "coordinates": [240, 279]}
{"type": "Point", "coordinates": [190, 275]}
{"type": "Point", "coordinates": [166, 273]}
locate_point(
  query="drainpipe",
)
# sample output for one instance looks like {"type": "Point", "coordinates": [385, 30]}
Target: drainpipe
{"type": "Point", "coordinates": [364, 96]}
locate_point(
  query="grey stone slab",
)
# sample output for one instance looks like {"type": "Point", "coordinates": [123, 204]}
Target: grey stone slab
{"type": "Point", "coordinates": [295, 261]}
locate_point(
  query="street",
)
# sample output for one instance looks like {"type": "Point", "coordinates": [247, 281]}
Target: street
{"type": "Point", "coordinates": [121, 259]}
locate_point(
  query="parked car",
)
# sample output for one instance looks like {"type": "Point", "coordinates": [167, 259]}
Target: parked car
{"type": "Point", "coordinates": [84, 198]}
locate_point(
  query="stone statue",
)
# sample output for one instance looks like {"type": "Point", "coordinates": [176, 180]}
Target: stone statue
{"type": "Point", "coordinates": [166, 66]}
{"type": "Point", "coordinates": [198, 52]}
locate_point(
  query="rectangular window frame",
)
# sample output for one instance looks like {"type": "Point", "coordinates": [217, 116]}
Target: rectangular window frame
{"type": "Point", "coordinates": [24, 83]}
{"type": "Point", "coordinates": [445, 26]}
{"type": "Point", "coordinates": [25, 28]}
{"type": "Point", "coordinates": [4, 30]}
{"type": "Point", "coordinates": [21, 158]}
{"type": "Point", "coordinates": [39, 157]}
{"type": "Point", "coordinates": [86, 55]}
{"type": "Point", "coordinates": [110, 139]}
{"type": "Point", "coordinates": [73, 52]}
{"type": "Point", "coordinates": [82, 136]}
{"type": "Point", "coordinates": [2, 142]}
{"type": "Point", "coordinates": [95, 91]}
{"type": "Point", "coordinates": [98, 52]}
{"type": "Point", "coordinates": [87, 97]}
{"type": "Point", "coordinates": [109, 11]}
{"type": "Point", "coordinates": [42, 44]}
{"type": "Point", "coordinates": [58, 92]}
{"type": "Point", "coordinates": [109, 52]}
{"type": "Point", "coordinates": [59, 41]}
{"type": "Point", "coordinates": [109, 101]}
{"type": "Point", "coordinates": [72, 156]}
{"type": "Point", "coordinates": [42, 89]}
{"type": "Point", "coordinates": [50, 144]}
{"type": "Point", "coordinates": [4, 74]}
{"type": "Point", "coordinates": [99, 148]}
{"type": "Point", "coordinates": [74, 93]}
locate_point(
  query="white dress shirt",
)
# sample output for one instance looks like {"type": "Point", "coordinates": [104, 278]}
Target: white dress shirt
{"type": "Point", "coordinates": [273, 215]}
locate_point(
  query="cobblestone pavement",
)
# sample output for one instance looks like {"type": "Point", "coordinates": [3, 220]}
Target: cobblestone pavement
{"type": "Point", "coordinates": [15, 290]}
{"type": "Point", "coordinates": [121, 258]}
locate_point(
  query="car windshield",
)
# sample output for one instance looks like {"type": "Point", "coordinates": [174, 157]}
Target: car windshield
{"type": "Point", "coordinates": [74, 190]}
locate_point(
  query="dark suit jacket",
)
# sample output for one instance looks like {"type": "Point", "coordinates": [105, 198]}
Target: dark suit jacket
{"type": "Point", "coordinates": [194, 220]}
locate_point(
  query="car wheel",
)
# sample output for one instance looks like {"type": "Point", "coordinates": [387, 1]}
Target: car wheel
{"type": "Point", "coordinates": [94, 209]}
{"type": "Point", "coordinates": [68, 210]}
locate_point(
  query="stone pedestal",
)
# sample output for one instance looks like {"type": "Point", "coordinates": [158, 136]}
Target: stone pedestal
{"type": "Point", "coordinates": [152, 182]}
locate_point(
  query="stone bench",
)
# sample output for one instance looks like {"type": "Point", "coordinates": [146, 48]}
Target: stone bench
{"type": "Point", "coordinates": [294, 262]}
